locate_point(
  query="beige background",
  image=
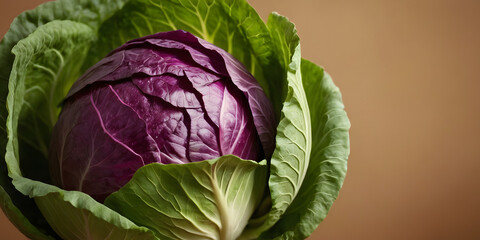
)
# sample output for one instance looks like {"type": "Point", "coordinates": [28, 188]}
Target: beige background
{"type": "Point", "coordinates": [409, 74]}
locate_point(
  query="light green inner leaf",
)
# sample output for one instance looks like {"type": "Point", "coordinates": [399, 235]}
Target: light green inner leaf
{"type": "Point", "coordinates": [212, 199]}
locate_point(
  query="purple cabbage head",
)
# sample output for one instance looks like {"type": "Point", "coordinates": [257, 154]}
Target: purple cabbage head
{"type": "Point", "coordinates": [165, 98]}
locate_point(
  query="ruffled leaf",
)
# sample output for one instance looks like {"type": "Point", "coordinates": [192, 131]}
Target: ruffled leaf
{"type": "Point", "coordinates": [328, 164]}
{"type": "Point", "coordinates": [291, 157]}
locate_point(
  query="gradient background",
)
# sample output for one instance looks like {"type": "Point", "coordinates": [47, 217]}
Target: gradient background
{"type": "Point", "coordinates": [409, 73]}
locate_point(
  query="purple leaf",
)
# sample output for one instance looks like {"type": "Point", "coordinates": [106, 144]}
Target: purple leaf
{"type": "Point", "coordinates": [168, 98]}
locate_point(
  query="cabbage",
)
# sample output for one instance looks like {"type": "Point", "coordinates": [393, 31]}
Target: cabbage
{"type": "Point", "coordinates": [274, 176]}
{"type": "Point", "coordinates": [165, 98]}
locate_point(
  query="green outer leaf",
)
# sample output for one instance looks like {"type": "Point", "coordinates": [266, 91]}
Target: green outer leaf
{"type": "Point", "coordinates": [17, 218]}
{"type": "Point", "coordinates": [49, 63]}
{"type": "Point", "coordinates": [81, 221]}
{"type": "Point", "coordinates": [89, 12]}
{"type": "Point", "coordinates": [28, 86]}
{"type": "Point", "coordinates": [328, 165]}
{"type": "Point", "coordinates": [290, 159]}
{"type": "Point", "coordinates": [75, 215]}
{"type": "Point", "coordinates": [212, 199]}
{"type": "Point", "coordinates": [66, 40]}
{"type": "Point", "coordinates": [86, 11]}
